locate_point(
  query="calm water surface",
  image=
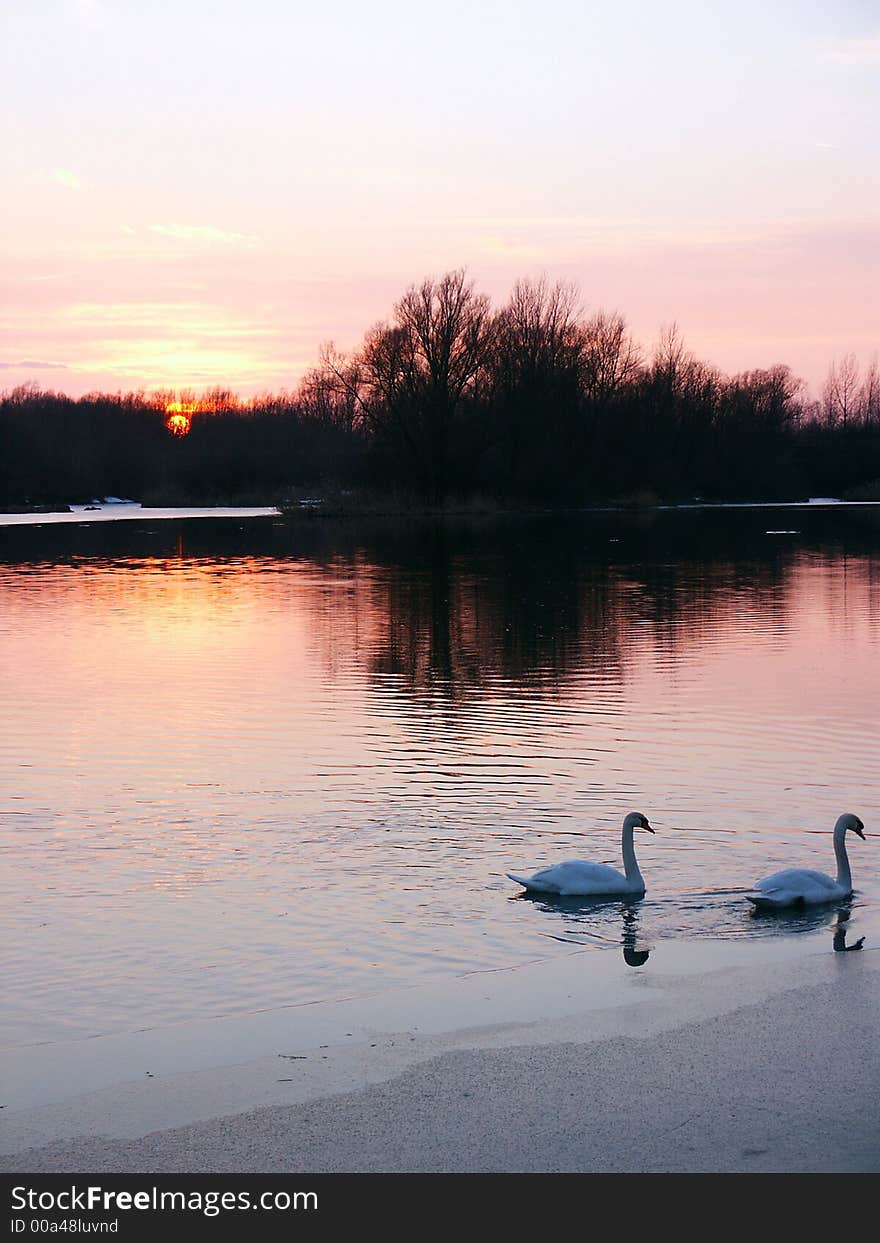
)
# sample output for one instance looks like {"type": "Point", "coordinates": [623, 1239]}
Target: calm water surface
{"type": "Point", "coordinates": [246, 766]}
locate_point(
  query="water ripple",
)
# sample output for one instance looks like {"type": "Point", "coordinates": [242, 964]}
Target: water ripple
{"type": "Point", "coordinates": [234, 782]}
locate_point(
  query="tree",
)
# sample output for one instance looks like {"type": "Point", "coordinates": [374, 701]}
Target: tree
{"type": "Point", "coordinates": [331, 393]}
{"type": "Point", "coordinates": [421, 371]}
{"type": "Point", "coordinates": [676, 409]}
{"type": "Point", "coordinates": [840, 394]}
{"type": "Point", "coordinates": [869, 395]}
{"type": "Point", "coordinates": [611, 357]}
{"type": "Point", "coordinates": [536, 363]}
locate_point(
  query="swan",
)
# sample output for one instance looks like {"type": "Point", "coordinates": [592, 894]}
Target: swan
{"type": "Point", "coordinates": [803, 887]}
{"type": "Point", "coordinates": [579, 876]}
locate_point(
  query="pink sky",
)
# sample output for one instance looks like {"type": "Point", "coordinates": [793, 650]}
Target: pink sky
{"type": "Point", "coordinates": [203, 193]}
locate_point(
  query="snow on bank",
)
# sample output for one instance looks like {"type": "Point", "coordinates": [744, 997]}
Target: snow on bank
{"type": "Point", "coordinates": [115, 511]}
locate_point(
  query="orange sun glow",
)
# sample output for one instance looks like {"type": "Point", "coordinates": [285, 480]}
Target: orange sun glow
{"type": "Point", "coordinates": [179, 419]}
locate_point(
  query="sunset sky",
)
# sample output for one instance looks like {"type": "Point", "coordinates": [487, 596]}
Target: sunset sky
{"type": "Point", "coordinates": [202, 191]}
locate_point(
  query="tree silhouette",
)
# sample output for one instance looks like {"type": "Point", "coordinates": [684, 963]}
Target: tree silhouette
{"type": "Point", "coordinates": [534, 403]}
{"type": "Point", "coordinates": [421, 371]}
{"type": "Point", "coordinates": [536, 364]}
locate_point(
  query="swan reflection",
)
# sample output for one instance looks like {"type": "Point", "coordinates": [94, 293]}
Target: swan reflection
{"type": "Point", "coordinates": [841, 928]}
{"type": "Point", "coordinates": [634, 954]}
{"type": "Point", "coordinates": [592, 919]}
{"type": "Point", "coordinates": [607, 922]}
{"type": "Point", "coordinates": [812, 919]}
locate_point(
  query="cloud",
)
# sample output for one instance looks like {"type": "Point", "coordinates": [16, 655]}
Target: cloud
{"type": "Point", "coordinates": [129, 320]}
{"type": "Point", "coordinates": [167, 342]}
{"type": "Point", "coordinates": [201, 233]}
{"type": "Point", "coordinates": [861, 51]}
{"type": "Point", "coordinates": [34, 365]}
{"type": "Point", "coordinates": [499, 246]}
{"type": "Point", "coordinates": [66, 178]}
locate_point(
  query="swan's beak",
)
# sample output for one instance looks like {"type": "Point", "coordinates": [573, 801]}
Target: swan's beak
{"type": "Point", "coordinates": [859, 833]}
{"type": "Point", "coordinates": [648, 827]}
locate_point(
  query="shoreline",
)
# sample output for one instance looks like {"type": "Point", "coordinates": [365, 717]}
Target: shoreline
{"type": "Point", "coordinates": [80, 514]}
{"type": "Point", "coordinates": [484, 1047]}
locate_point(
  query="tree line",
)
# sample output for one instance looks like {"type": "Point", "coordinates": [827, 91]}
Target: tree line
{"type": "Point", "coordinates": [534, 403]}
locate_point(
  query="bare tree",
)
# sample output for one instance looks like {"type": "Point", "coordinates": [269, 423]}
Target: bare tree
{"type": "Point", "coordinates": [537, 331]}
{"type": "Point", "coordinates": [766, 398]}
{"type": "Point", "coordinates": [219, 400]}
{"type": "Point", "coordinates": [536, 362]}
{"type": "Point", "coordinates": [869, 395]}
{"type": "Point", "coordinates": [420, 371]}
{"type": "Point", "coordinates": [331, 393]}
{"type": "Point", "coordinates": [672, 359]}
{"type": "Point", "coordinates": [841, 391]}
{"type": "Point", "coordinates": [611, 357]}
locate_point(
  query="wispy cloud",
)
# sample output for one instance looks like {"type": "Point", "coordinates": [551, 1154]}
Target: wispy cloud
{"type": "Point", "coordinates": [182, 318]}
{"type": "Point", "coordinates": [861, 51]}
{"type": "Point", "coordinates": [66, 178]}
{"type": "Point", "coordinates": [33, 364]}
{"type": "Point", "coordinates": [169, 342]}
{"type": "Point", "coordinates": [499, 246]}
{"type": "Point", "coordinates": [552, 239]}
{"type": "Point", "coordinates": [201, 233]}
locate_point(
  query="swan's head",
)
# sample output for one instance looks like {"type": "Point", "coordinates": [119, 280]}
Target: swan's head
{"type": "Point", "coordinates": [635, 820]}
{"type": "Point", "coordinates": [849, 821]}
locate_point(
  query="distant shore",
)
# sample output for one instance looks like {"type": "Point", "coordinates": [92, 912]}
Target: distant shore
{"type": "Point", "coordinates": [317, 509]}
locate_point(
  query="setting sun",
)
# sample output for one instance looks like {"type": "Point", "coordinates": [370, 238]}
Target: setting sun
{"type": "Point", "coordinates": [180, 414]}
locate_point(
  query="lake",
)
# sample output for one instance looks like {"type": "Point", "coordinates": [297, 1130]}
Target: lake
{"type": "Point", "coordinates": [249, 764]}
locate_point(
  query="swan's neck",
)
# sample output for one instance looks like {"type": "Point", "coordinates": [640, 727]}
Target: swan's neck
{"type": "Point", "coordinates": [630, 867]}
{"type": "Point", "coordinates": [844, 876]}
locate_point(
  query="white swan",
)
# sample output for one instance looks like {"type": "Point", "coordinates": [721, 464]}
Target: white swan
{"type": "Point", "coordinates": [579, 876]}
{"type": "Point", "coordinates": [802, 887]}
